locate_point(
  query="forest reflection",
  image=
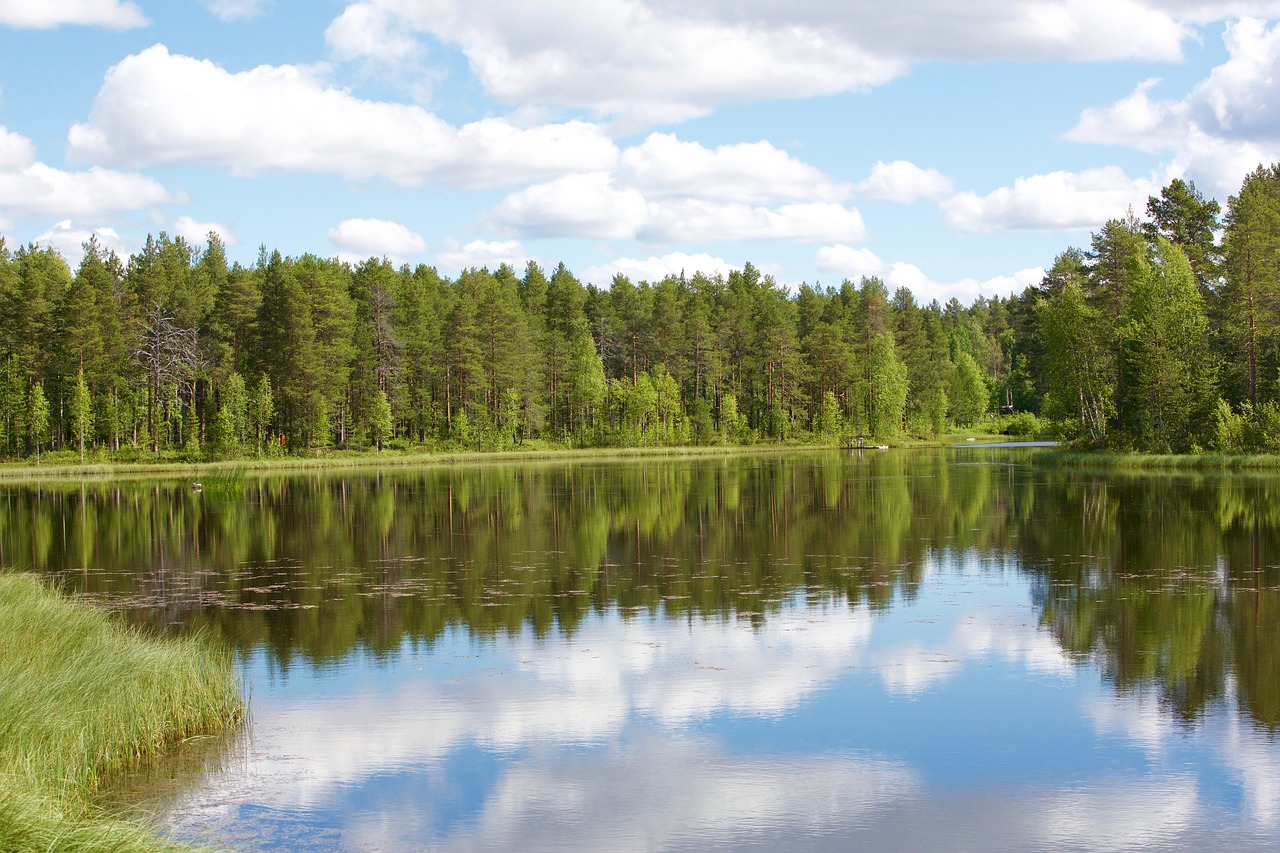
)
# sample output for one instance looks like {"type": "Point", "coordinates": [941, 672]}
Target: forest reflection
{"type": "Point", "coordinates": [1170, 583]}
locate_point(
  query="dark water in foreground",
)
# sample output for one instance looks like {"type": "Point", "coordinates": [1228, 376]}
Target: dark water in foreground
{"type": "Point", "coordinates": [950, 650]}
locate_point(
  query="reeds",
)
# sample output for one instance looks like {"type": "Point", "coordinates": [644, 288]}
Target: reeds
{"type": "Point", "coordinates": [83, 696]}
{"type": "Point", "coordinates": [1157, 461]}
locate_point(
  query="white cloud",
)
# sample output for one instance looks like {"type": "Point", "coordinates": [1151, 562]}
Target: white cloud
{"type": "Point", "coordinates": [69, 240]}
{"type": "Point", "coordinates": [848, 261]}
{"type": "Point", "coordinates": [39, 188]}
{"type": "Point", "coordinates": [854, 263]}
{"type": "Point", "coordinates": [197, 233]}
{"type": "Point", "coordinates": [669, 191]}
{"type": "Point", "coordinates": [663, 166]}
{"type": "Point", "coordinates": [696, 221]}
{"type": "Point", "coordinates": [1134, 121]}
{"type": "Point", "coordinates": [236, 10]}
{"type": "Point", "coordinates": [287, 117]}
{"type": "Point", "coordinates": [16, 151]}
{"type": "Point", "coordinates": [1051, 202]}
{"type": "Point", "coordinates": [618, 57]}
{"type": "Point", "coordinates": [657, 268]}
{"type": "Point", "coordinates": [28, 186]}
{"type": "Point", "coordinates": [594, 206]}
{"type": "Point", "coordinates": [366, 30]}
{"type": "Point", "coordinates": [584, 205]}
{"type": "Point", "coordinates": [666, 60]}
{"type": "Point", "coordinates": [1218, 132]}
{"type": "Point", "coordinates": [45, 14]}
{"type": "Point", "coordinates": [483, 253]}
{"type": "Point", "coordinates": [376, 237]}
{"type": "Point", "coordinates": [905, 182]}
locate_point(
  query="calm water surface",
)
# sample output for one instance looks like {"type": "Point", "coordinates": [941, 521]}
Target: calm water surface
{"type": "Point", "coordinates": [952, 650]}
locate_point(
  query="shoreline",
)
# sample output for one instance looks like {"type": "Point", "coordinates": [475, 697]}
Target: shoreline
{"type": "Point", "coordinates": [16, 472]}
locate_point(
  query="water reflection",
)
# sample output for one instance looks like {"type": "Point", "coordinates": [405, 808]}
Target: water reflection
{"type": "Point", "coordinates": [899, 649]}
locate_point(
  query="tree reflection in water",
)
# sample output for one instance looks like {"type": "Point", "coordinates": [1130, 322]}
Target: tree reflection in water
{"type": "Point", "coordinates": [1169, 581]}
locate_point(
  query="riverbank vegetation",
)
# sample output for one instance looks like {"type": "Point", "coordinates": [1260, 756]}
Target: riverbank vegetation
{"type": "Point", "coordinates": [82, 697]}
{"type": "Point", "coordinates": [1157, 337]}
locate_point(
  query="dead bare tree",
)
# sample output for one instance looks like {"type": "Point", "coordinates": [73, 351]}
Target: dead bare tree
{"type": "Point", "coordinates": [171, 355]}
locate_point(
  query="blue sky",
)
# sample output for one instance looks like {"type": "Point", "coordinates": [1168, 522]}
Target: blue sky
{"type": "Point", "coordinates": [952, 148]}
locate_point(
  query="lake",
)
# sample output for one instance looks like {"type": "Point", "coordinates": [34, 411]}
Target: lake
{"type": "Point", "coordinates": [946, 649]}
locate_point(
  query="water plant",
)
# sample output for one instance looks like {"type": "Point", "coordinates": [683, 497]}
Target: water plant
{"type": "Point", "coordinates": [83, 696]}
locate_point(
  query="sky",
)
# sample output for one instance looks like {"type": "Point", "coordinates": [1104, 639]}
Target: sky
{"type": "Point", "coordinates": [952, 148]}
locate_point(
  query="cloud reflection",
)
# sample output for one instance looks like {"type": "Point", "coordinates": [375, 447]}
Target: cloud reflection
{"type": "Point", "coordinates": [596, 742]}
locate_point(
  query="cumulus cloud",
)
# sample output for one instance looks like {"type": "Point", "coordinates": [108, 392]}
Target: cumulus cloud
{"type": "Point", "coordinates": [42, 189]}
{"type": "Point", "coordinates": [46, 14]}
{"type": "Point", "coordinates": [376, 237]}
{"type": "Point", "coordinates": [16, 151]}
{"type": "Point", "coordinates": [697, 221]}
{"type": "Point", "coordinates": [1226, 125]}
{"type": "Point", "coordinates": [236, 10]}
{"type": "Point", "coordinates": [664, 166]}
{"type": "Point", "coordinates": [905, 182]}
{"type": "Point", "coordinates": [287, 117]}
{"type": "Point", "coordinates": [28, 186]}
{"type": "Point", "coordinates": [854, 263]}
{"type": "Point", "coordinates": [618, 57]}
{"type": "Point", "coordinates": [197, 233]}
{"type": "Point", "coordinates": [69, 240]}
{"type": "Point", "coordinates": [663, 60]}
{"type": "Point", "coordinates": [657, 268]}
{"type": "Point", "coordinates": [583, 205]}
{"type": "Point", "coordinates": [483, 253]}
{"type": "Point", "coordinates": [595, 206]}
{"type": "Point", "coordinates": [1051, 202]}
{"type": "Point", "coordinates": [849, 261]}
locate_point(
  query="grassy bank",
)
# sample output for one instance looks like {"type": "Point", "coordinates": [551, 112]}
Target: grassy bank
{"type": "Point", "coordinates": [1156, 461]}
{"type": "Point", "coordinates": [81, 697]}
{"type": "Point", "coordinates": [19, 471]}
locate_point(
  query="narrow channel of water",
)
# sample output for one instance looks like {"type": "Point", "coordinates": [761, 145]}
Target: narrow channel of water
{"type": "Point", "coordinates": [893, 650]}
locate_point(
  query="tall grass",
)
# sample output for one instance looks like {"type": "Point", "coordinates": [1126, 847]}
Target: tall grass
{"type": "Point", "coordinates": [355, 461]}
{"type": "Point", "coordinates": [1157, 461]}
{"type": "Point", "coordinates": [82, 697]}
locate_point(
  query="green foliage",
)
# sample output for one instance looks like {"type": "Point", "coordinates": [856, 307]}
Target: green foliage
{"type": "Point", "coordinates": [830, 423]}
{"type": "Point", "coordinates": [37, 417]}
{"type": "Point", "coordinates": [967, 396]}
{"type": "Point", "coordinates": [1078, 362]}
{"type": "Point", "coordinates": [259, 410]}
{"type": "Point", "coordinates": [1166, 367]}
{"type": "Point", "coordinates": [380, 422]}
{"type": "Point", "coordinates": [1024, 425]}
{"type": "Point", "coordinates": [82, 697]}
{"type": "Point", "coordinates": [81, 411]}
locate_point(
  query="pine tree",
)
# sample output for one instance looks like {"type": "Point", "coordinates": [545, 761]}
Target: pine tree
{"type": "Point", "coordinates": [286, 346]}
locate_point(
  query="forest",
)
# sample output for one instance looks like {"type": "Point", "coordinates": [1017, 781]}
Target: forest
{"type": "Point", "coordinates": [1161, 335]}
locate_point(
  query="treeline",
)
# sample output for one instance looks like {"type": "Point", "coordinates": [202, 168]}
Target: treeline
{"type": "Point", "coordinates": [174, 349]}
{"type": "Point", "coordinates": [1156, 337]}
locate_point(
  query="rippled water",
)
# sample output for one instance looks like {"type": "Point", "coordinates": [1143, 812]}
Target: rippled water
{"type": "Point", "coordinates": [898, 651]}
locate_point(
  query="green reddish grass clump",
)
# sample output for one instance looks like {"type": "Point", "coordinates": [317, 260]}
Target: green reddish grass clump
{"type": "Point", "coordinates": [82, 697]}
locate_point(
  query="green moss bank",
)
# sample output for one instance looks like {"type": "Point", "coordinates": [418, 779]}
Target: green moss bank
{"type": "Point", "coordinates": [82, 697]}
